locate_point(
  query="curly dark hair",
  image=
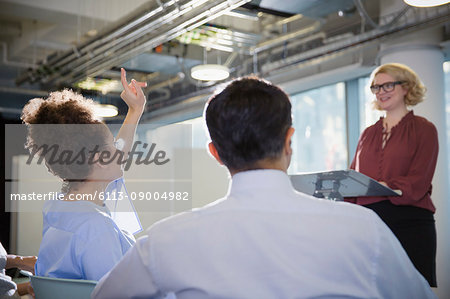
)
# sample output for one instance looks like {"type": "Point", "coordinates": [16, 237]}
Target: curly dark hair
{"type": "Point", "coordinates": [66, 121]}
{"type": "Point", "coordinates": [61, 107]}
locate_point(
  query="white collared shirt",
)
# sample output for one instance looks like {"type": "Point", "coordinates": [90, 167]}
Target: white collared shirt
{"type": "Point", "coordinates": [265, 240]}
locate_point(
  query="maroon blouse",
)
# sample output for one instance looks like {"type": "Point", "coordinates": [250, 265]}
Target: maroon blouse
{"type": "Point", "coordinates": [407, 161]}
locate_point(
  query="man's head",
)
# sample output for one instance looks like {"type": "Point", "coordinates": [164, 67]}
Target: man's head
{"type": "Point", "coordinates": [249, 123]}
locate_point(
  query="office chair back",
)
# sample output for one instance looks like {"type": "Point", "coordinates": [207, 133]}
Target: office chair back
{"type": "Point", "coordinates": [59, 288]}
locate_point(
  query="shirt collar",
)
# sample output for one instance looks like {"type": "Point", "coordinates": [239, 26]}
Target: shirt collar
{"type": "Point", "coordinates": [80, 206]}
{"type": "Point", "coordinates": [405, 118]}
{"type": "Point", "coordinates": [261, 179]}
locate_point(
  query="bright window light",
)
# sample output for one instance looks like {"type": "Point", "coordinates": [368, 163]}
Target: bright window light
{"type": "Point", "coordinates": [447, 67]}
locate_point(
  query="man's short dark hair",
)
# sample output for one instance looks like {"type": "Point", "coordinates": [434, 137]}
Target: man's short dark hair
{"type": "Point", "coordinates": [248, 122]}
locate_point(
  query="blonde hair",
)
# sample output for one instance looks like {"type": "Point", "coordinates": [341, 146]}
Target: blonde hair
{"type": "Point", "coordinates": [411, 82]}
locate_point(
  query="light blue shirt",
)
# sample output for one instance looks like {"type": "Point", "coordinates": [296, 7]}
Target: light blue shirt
{"type": "Point", "coordinates": [80, 241]}
{"type": "Point", "coordinates": [265, 240]}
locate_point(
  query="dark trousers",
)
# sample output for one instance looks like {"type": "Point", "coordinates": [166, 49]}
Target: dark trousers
{"type": "Point", "coordinates": [415, 229]}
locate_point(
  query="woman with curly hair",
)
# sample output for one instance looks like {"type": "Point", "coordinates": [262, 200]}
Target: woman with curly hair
{"type": "Point", "coordinates": [80, 239]}
{"type": "Point", "coordinates": [400, 151]}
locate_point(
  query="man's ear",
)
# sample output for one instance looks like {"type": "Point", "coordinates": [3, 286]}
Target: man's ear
{"type": "Point", "coordinates": [214, 153]}
{"type": "Point", "coordinates": [288, 141]}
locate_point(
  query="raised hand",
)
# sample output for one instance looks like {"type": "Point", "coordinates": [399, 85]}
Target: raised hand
{"type": "Point", "coordinates": [132, 93]}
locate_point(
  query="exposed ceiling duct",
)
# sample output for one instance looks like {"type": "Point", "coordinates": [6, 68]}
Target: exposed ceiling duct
{"type": "Point", "coordinates": [331, 49]}
{"type": "Point", "coordinates": [13, 63]}
{"type": "Point", "coordinates": [311, 8]}
{"type": "Point", "coordinates": [161, 43]}
{"type": "Point", "coordinates": [220, 39]}
{"type": "Point", "coordinates": [163, 23]}
{"type": "Point", "coordinates": [286, 37]}
{"type": "Point", "coordinates": [415, 20]}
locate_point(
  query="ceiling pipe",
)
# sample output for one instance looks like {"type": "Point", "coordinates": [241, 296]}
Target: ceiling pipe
{"type": "Point", "coordinates": [107, 37]}
{"type": "Point", "coordinates": [167, 35]}
{"type": "Point", "coordinates": [230, 59]}
{"type": "Point", "coordinates": [85, 52]}
{"type": "Point", "coordinates": [227, 40]}
{"type": "Point", "coordinates": [283, 22]}
{"type": "Point", "coordinates": [239, 36]}
{"type": "Point", "coordinates": [252, 16]}
{"type": "Point", "coordinates": [423, 18]}
{"type": "Point", "coordinates": [292, 44]}
{"type": "Point", "coordinates": [120, 49]}
{"type": "Point", "coordinates": [365, 16]}
{"type": "Point", "coordinates": [285, 37]}
{"type": "Point", "coordinates": [31, 92]}
{"type": "Point", "coordinates": [172, 32]}
{"type": "Point", "coordinates": [97, 49]}
{"type": "Point", "coordinates": [198, 98]}
{"type": "Point", "coordinates": [323, 53]}
{"type": "Point", "coordinates": [169, 82]}
{"type": "Point", "coordinates": [165, 95]}
{"type": "Point", "coordinates": [5, 60]}
{"type": "Point", "coordinates": [10, 29]}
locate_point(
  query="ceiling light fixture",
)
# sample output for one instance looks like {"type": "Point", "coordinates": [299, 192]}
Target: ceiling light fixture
{"type": "Point", "coordinates": [104, 85]}
{"type": "Point", "coordinates": [105, 110]}
{"type": "Point", "coordinates": [92, 33]}
{"type": "Point", "coordinates": [210, 72]}
{"type": "Point", "coordinates": [426, 3]}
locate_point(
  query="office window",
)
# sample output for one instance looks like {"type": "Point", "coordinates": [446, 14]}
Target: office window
{"type": "Point", "coordinates": [320, 139]}
{"type": "Point", "coordinates": [367, 114]}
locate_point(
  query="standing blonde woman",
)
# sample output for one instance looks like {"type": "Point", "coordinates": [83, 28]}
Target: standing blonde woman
{"type": "Point", "coordinates": [400, 151]}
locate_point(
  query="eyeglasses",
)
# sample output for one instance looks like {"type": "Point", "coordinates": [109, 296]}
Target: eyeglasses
{"type": "Point", "coordinates": [387, 87]}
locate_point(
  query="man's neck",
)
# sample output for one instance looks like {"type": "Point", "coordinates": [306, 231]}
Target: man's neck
{"type": "Point", "coordinates": [277, 164]}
